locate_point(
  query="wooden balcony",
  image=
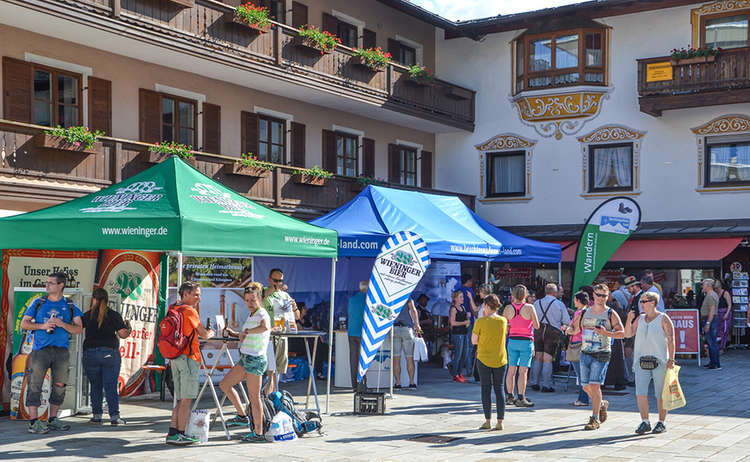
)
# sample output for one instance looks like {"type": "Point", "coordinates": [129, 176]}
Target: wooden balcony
{"type": "Point", "coordinates": [207, 30]}
{"type": "Point", "coordinates": [36, 174]}
{"type": "Point", "coordinates": [725, 80]}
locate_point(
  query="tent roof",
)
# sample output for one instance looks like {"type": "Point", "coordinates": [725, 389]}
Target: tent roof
{"type": "Point", "coordinates": [169, 207]}
{"type": "Point", "coordinates": [452, 231]}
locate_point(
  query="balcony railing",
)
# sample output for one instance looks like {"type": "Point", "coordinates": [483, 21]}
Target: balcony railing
{"type": "Point", "coordinates": [208, 24]}
{"type": "Point", "coordinates": [694, 84]}
{"type": "Point", "coordinates": [28, 172]}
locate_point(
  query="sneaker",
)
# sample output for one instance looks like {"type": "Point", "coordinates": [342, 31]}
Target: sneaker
{"type": "Point", "coordinates": [644, 427]}
{"type": "Point", "coordinates": [577, 403]}
{"type": "Point", "coordinates": [525, 402]}
{"type": "Point", "coordinates": [510, 400]}
{"type": "Point", "coordinates": [659, 428]}
{"type": "Point", "coordinates": [238, 421]}
{"type": "Point", "coordinates": [603, 411]}
{"type": "Point", "coordinates": [38, 427]}
{"type": "Point", "coordinates": [499, 426]}
{"type": "Point", "coordinates": [593, 424]}
{"type": "Point", "coordinates": [714, 368]}
{"type": "Point", "coordinates": [58, 425]}
{"type": "Point", "coordinates": [548, 390]}
{"type": "Point", "coordinates": [485, 426]}
{"type": "Point", "coordinates": [460, 379]}
{"type": "Point", "coordinates": [178, 439]}
{"type": "Point", "coordinates": [397, 387]}
{"type": "Point", "coordinates": [95, 420]}
{"type": "Point", "coordinates": [412, 386]}
{"type": "Point", "coordinates": [190, 439]}
{"type": "Point", "coordinates": [534, 387]}
{"type": "Point", "coordinates": [253, 437]}
{"type": "Point", "coordinates": [117, 422]}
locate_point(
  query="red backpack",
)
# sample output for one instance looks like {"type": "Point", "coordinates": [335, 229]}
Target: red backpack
{"type": "Point", "coordinates": [172, 341]}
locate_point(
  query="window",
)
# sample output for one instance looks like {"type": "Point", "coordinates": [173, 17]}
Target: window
{"type": "Point", "coordinates": [276, 9]}
{"type": "Point", "coordinates": [178, 120]}
{"type": "Point", "coordinates": [408, 158]}
{"type": "Point", "coordinates": [728, 164]}
{"type": "Point", "coordinates": [407, 55]}
{"type": "Point", "coordinates": [560, 59]}
{"type": "Point", "coordinates": [271, 139]}
{"type": "Point", "coordinates": [57, 97]}
{"type": "Point", "coordinates": [611, 167]}
{"type": "Point", "coordinates": [348, 34]}
{"type": "Point", "coordinates": [346, 154]}
{"type": "Point", "coordinates": [725, 31]}
{"type": "Point", "coordinates": [506, 174]}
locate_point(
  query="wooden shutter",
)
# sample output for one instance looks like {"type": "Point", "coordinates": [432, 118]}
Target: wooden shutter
{"type": "Point", "coordinates": [369, 39]}
{"type": "Point", "coordinates": [394, 164]}
{"type": "Point", "coordinates": [299, 14]}
{"type": "Point", "coordinates": [149, 111]}
{"type": "Point", "coordinates": [249, 133]}
{"type": "Point", "coordinates": [368, 157]}
{"type": "Point", "coordinates": [298, 145]}
{"type": "Point", "coordinates": [16, 90]}
{"type": "Point", "coordinates": [211, 128]}
{"type": "Point", "coordinates": [329, 151]}
{"type": "Point", "coordinates": [100, 105]}
{"type": "Point", "coordinates": [330, 23]}
{"type": "Point", "coordinates": [427, 169]}
{"type": "Point", "coordinates": [394, 48]}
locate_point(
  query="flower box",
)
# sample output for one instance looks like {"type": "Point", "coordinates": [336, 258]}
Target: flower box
{"type": "Point", "coordinates": [156, 157]}
{"type": "Point", "coordinates": [301, 178]}
{"type": "Point", "coordinates": [360, 62]}
{"type": "Point", "coordinates": [231, 17]}
{"type": "Point", "coordinates": [417, 82]}
{"type": "Point", "coordinates": [47, 141]}
{"type": "Point", "coordinates": [308, 46]}
{"type": "Point", "coordinates": [694, 60]}
{"type": "Point", "coordinates": [238, 168]}
{"type": "Point", "coordinates": [458, 93]}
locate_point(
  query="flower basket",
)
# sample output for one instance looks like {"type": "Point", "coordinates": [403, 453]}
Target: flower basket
{"type": "Point", "coordinates": [310, 180]}
{"type": "Point", "coordinates": [238, 168]}
{"type": "Point", "coordinates": [156, 157]}
{"type": "Point", "coordinates": [417, 82]}
{"type": "Point", "coordinates": [231, 17]}
{"type": "Point", "coordinates": [309, 46]}
{"type": "Point", "coordinates": [694, 60]}
{"type": "Point", "coordinates": [359, 61]}
{"type": "Point", "coordinates": [47, 141]}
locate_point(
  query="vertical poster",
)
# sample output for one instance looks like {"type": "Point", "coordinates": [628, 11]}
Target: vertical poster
{"type": "Point", "coordinates": [30, 269]}
{"type": "Point", "coordinates": [132, 277]}
{"type": "Point", "coordinates": [686, 331]}
{"type": "Point", "coordinates": [22, 347]}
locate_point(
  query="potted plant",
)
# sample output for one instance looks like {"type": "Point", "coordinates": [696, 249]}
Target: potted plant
{"type": "Point", "coordinates": [315, 176]}
{"type": "Point", "coordinates": [312, 38]}
{"type": "Point", "coordinates": [374, 59]}
{"type": "Point", "coordinates": [252, 15]}
{"type": "Point", "coordinates": [420, 75]}
{"type": "Point", "coordinates": [162, 151]}
{"type": "Point", "coordinates": [249, 165]}
{"type": "Point", "coordinates": [691, 55]}
{"type": "Point", "coordinates": [363, 181]}
{"type": "Point", "coordinates": [77, 139]}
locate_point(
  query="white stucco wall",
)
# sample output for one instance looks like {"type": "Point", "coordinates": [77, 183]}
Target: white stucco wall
{"type": "Point", "coordinates": [668, 158]}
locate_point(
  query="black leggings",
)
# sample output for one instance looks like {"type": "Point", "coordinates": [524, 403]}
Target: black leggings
{"type": "Point", "coordinates": [492, 377]}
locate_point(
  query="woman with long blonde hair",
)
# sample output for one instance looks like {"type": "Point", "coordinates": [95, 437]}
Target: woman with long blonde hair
{"type": "Point", "coordinates": [101, 355]}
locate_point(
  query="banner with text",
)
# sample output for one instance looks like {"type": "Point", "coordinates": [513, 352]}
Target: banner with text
{"type": "Point", "coordinates": [399, 267]}
{"type": "Point", "coordinates": [686, 331]}
{"type": "Point", "coordinates": [611, 224]}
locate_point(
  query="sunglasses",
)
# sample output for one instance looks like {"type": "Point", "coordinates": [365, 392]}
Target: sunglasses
{"type": "Point", "coordinates": [277, 281]}
{"type": "Point", "coordinates": [250, 289]}
{"type": "Point", "coordinates": [600, 295]}
{"type": "Point", "coordinates": [648, 301]}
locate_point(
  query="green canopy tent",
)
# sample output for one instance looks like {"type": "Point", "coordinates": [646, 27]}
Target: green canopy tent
{"type": "Point", "coordinates": [174, 208]}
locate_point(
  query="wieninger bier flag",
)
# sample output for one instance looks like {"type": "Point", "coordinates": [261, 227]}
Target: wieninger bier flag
{"type": "Point", "coordinates": [611, 224]}
{"type": "Point", "coordinates": [399, 267]}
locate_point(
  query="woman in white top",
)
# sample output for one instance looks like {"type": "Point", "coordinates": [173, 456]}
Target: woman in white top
{"type": "Point", "coordinates": [654, 349]}
{"type": "Point", "coordinates": [484, 291]}
{"type": "Point", "coordinates": [254, 337]}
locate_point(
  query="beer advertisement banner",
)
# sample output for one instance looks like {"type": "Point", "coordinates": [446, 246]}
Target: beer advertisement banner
{"type": "Point", "coordinates": [611, 224]}
{"type": "Point", "coordinates": [29, 269]}
{"type": "Point", "coordinates": [132, 277]}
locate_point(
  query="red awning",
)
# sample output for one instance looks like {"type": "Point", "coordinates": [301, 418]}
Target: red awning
{"type": "Point", "coordinates": [644, 250]}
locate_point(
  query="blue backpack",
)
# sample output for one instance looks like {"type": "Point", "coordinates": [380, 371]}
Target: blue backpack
{"type": "Point", "coordinates": [303, 423]}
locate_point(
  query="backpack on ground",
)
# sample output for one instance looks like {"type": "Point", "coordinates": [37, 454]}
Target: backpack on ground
{"type": "Point", "coordinates": [268, 413]}
{"type": "Point", "coordinates": [172, 341]}
{"type": "Point", "coordinates": [303, 423]}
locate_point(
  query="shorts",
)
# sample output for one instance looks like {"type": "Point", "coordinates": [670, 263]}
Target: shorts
{"type": "Point", "coordinates": [593, 372]}
{"type": "Point", "coordinates": [57, 361]}
{"type": "Point", "coordinates": [255, 365]}
{"type": "Point", "coordinates": [520, 352]}
{"type": "Point", "coordinates": [270, 358]}
{"type": "Point", "coordinates": [186, 377]}
{"type": "Point", "coordinates": [643, 378]}
{"type": "Point", "coordinates": [547, 339]}
{"type": "Point", "coordinates": [281, 347]}
{"type": "Point", "coordinates": [403, 341]}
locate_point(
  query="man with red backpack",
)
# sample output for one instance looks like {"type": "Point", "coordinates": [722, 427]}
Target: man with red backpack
{"type": "Point", "coordinates": [178, 342]}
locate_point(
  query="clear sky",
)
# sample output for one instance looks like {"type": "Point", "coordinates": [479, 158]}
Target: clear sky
{"type": "Point", "coordinates": [472, 9]}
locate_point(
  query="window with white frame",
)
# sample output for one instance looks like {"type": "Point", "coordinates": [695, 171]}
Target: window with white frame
{"type": "Point", "coordinates": [727, 163]}
{"type": "Point", "coordinates": [506, 174]}
{"type": "Point", "coordinates": [611, 167]}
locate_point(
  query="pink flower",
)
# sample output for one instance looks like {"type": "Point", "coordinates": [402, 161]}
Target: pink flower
{"type": "Point", "coordinates": [78, 144]}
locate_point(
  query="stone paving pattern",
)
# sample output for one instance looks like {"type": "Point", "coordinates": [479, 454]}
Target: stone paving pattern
{"type": "Point", "coordinates": [715, 426]}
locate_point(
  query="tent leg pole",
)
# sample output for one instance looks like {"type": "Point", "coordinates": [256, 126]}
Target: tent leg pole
{"type": "Point", "coordinates": [487, 273]}
{"type": "Point", "coordinates": [179, 269]}
{"type": "Point", "coordinates": [391, 374]}
{"type": "Point", "coordinates": [559, 275]}
{"type": "Point", "coordinates": [330, 332]}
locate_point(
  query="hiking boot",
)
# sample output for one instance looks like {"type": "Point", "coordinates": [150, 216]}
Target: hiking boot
{"type": "Point", "coordinates": [510, 400]}
{"type": "Point", "coordinates": [593, 424]}
{"type": "Point", "coordinates": [525, 402]}
{"type": "Point", "coordinates": [117, 422]}
{"type": "Point", "coordinates": [603, 411]}
{"type": "Point", "coordinates": [659, 428]}
{"type": "Point", "coordinates": [485, 426]}
{"type": "Point", "coordinates": [239, 421]}
{"type": "Point", "coordinates": [178, 439]}
{"type": "Point", "coordinates": [59, 425]}
{"type": "Point", "coordinates": [38, 427]}
{"type": "Point", "coordinates": [253, 437]}
{"type": "Point", "coordinates": [644, 427]}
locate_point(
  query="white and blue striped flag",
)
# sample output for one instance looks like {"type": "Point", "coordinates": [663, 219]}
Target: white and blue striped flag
{"type": "Point", "coordinates": [399, 267]}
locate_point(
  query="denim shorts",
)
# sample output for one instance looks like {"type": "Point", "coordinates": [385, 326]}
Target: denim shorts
{"type": "Point", "coordinates": [255, 365]}
{"type": "Point", "coordinates": [643, 379]}
{"type": "Point", "coordinates": [592, 371]}
{"type": "Point", "coordinates": [403, 341]}
{"type": "Point", "coordinates": [520, 352]}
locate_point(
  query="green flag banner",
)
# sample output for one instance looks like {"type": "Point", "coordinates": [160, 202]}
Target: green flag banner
{"type": "Point", "coordinates": [611, 224]}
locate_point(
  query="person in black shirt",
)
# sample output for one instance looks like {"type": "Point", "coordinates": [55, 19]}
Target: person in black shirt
{"type": "Point", "coordinates": [101, 355]}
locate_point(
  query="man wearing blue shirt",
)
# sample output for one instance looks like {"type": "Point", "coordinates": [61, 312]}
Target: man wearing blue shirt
{"type": "Point", "coordinates": [52, 320]}
{"type": "Point", "coordinates": [356, 312]}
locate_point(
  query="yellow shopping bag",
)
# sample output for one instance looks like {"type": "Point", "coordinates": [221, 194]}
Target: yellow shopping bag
{"type": "Point", "coordinates": [672, 394]}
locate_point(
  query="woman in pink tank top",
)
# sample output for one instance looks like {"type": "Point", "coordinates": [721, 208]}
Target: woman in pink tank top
{"type": "Point", "coordinates": [522, 320]}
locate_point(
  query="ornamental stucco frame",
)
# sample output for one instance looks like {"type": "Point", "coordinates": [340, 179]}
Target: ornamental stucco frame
{"type": "Point", "coordinates": [612, 134]}
{"type": "Point", "coordinates": [505, 142]}
{"type": "Point", "coordinates": [732, 124]}
{"type": "Point", "coordinates": [717, 7]}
